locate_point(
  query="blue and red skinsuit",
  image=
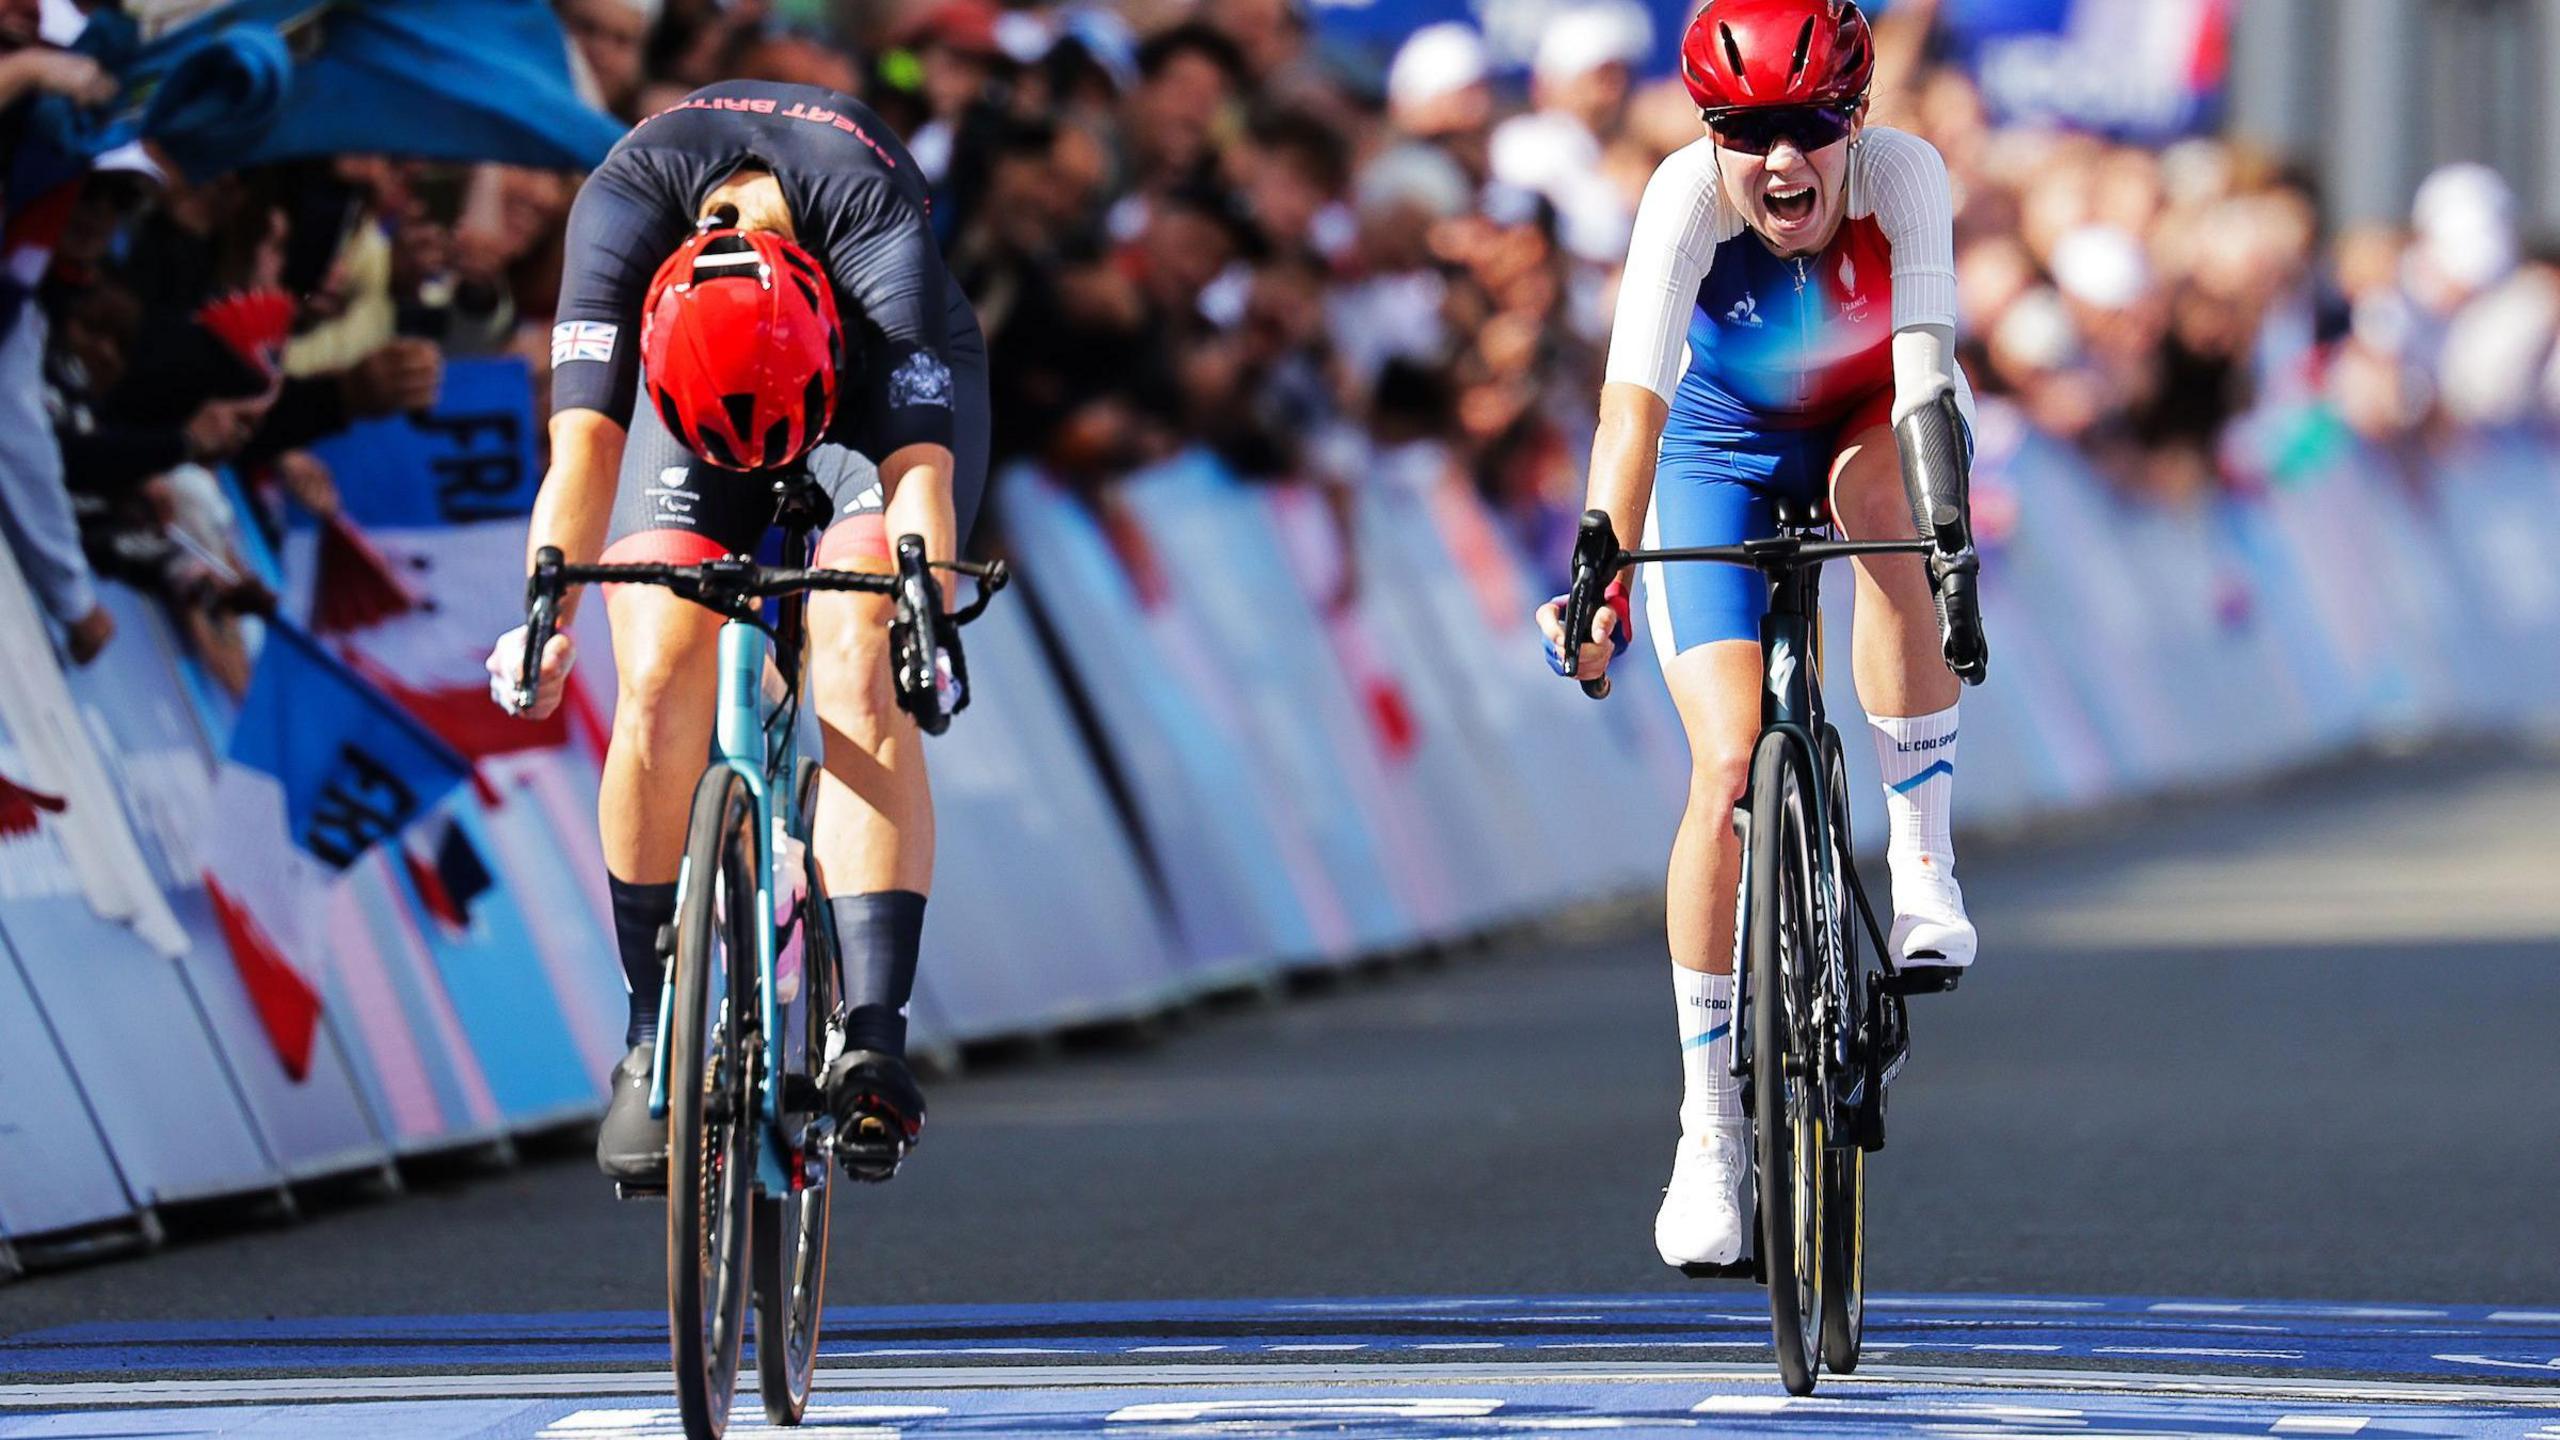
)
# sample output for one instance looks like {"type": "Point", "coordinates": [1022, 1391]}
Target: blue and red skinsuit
{"type": "Point", "coordinates": [1789, 360]}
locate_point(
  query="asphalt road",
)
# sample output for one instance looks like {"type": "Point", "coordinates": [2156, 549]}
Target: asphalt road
{"type": "Point", "coordinates": [2293, 1043]}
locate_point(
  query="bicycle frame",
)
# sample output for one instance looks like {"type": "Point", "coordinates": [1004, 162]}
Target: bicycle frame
{"type": "Point", "coordinates": [747, 740]}
{"type": "Point", "coordinates": [756, 733]}
{"type": "Point", "coordinates": [1791, 707]}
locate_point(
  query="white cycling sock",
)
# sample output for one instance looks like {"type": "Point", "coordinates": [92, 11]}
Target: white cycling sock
{"type": "Point", "coordinates": [1709, 1092]}
{"type": "Point", "coordinates": [1918, 757]}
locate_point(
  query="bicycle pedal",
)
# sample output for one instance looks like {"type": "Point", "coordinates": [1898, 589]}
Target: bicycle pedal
{"type": "Point", "coordinates": [1745, 1268]}
{"type": "Point", "coordinates": [872, 1150]}
{"type": "Point", "coordinates": [637, 1190]}
{"type": "Point", "coordinates": [1923, 980]}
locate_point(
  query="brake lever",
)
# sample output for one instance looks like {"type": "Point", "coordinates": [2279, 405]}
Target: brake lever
{"type": "Point", "coordinates": [992, 577]}
{"type": "Point", "coordinates": [542, 619]}
{"type": "Point", "coordinates": [1595, 564]}
{"type": "Point", "coordinates": [1955, 570]}
{"type": "Point", "coordinates": [919, 627]}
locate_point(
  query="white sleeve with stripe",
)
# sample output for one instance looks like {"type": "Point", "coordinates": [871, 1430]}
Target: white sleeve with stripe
{"type": "Point", "coordinates": [1901, 180]}
{"type": "Point", "coordinates": [1678, 227]}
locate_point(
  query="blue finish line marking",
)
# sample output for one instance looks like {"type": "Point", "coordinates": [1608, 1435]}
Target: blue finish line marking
{"type": "Point", "coordinates": [2446, 1342]}
{"type": "Point", "coordinates": [1402, 1403]}
{"type": "Point", "coordinates": [1390, 1368]}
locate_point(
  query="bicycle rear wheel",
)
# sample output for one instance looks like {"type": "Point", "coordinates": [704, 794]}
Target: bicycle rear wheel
{"type": "Point", "coordinates": [711, 1100]}
{"type": "Point", "coordinates": [1844, 1171]}
{"type": "Point", "coordinates": [791, 1230]}
{"type": "Point", "coordinates": [1788, 1141]}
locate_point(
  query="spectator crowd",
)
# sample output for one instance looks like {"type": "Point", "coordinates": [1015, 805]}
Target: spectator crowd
{"type": "Point", "coordinates": [1190, 223]}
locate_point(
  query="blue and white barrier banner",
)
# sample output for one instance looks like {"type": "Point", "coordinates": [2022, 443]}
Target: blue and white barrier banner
{"type": "Point", "coordinates": [1195, 758]}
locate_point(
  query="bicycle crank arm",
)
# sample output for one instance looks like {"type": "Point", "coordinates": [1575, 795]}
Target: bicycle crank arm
{"type": "Point", "coordinates": [1923, 980]}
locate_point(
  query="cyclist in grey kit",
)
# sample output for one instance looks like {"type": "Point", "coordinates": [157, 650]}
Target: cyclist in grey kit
{"type": "Point", "coordinates": [779, 186]}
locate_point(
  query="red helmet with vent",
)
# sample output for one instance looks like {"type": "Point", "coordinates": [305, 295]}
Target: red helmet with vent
{"type": "Point", "coordinates": [738, 341]}
{"type": "Point", "coordinates": [1752, 54]}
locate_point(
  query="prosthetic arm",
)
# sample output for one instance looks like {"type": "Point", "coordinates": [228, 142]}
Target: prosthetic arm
{"type": "Point", "coordinates": [1937, 462]}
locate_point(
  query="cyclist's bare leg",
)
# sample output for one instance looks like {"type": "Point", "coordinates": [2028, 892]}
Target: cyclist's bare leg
{"type": "Point", "coordinates": [1910, 699]}
{"type": "Point", "coordinates": [665, 656]}
{"type": "Point", "coordinates": [1895, 654]}
{"type": "Point", "coordinates": [1717, 689]}
{"type": "Point", "coordinates": [873, 836]}
{"type": "Point", "coordinates": [874, 827]}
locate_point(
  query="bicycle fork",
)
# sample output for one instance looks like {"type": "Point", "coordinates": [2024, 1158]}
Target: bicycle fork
{"type": "Point", "coordinates": [742, 744]}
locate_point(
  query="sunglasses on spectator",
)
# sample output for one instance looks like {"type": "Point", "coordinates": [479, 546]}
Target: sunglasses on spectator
{"type": "Point", "coordinates": [1757, 131]}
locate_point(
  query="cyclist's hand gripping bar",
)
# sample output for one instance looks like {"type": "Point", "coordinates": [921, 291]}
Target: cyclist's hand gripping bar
{"type": "Point", "coordinates": [930, 669]}
{"type": "Point", "coordinates": [1595, 565]}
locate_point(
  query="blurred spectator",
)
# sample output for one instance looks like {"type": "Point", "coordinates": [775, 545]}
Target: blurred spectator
{"type": "Point", "coordinates": [609, 43]}
{"type": "Point", "coordinates": [1191, 76]}
{"type": "Point", "coordinates": [1579, 85]}
{"type": "Point", "coordinates": [35, 509]}
{"type": "Point", "coordinates": [956, 55]}
{"type": "Point", "coordinates": [1186, 225]}
{"type": "Point", "coordinates": [1440, 92]}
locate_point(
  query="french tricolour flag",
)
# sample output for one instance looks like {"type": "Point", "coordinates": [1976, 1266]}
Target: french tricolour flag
{"type": "Point", "coordinates": [323, 766]}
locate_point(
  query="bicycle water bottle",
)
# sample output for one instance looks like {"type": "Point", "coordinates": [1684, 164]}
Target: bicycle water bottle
{"type": "Point", "coordinates": [791, 885]}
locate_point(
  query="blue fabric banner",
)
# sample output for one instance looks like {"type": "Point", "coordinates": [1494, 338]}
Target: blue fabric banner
{"type": "Point", "coordinates": [356, 768]}
{"type": "Point", "coordinates": [430, 79]}
{"type": "Point", "coordinates": [470, 458]}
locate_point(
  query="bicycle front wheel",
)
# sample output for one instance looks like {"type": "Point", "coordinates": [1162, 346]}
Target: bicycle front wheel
{"type": "Point", "coordinates": [711, 1099]}
{"type": "Point", "coordinates": [1787, 1109]}
{"type": "Point", "coordinates": [791, 1230]}
{"type": "Point", "coordinates": [1844, 1196]}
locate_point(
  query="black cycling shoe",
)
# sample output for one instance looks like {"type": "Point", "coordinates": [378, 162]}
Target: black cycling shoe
{"type": "Point", "coordinates": [631, 1146]}
{"type": "Point", "coordinates": [879, 1112]}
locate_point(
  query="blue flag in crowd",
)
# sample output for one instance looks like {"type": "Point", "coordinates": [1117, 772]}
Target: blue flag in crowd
{"type": "Point", "coordinates": [470, 458]}
{"type": "Point", "coordinates": [463, 80]}
{"type": "Point", "coordinates": [356, 769]}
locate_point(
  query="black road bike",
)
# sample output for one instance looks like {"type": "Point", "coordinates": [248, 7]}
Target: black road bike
{"type": "Point", "coordinates": [1819, 1034]}
{"type": "Point", "coordinates": [745, 1040]}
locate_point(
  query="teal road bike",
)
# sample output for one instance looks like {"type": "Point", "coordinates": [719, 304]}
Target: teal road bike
{"type": "Point", "coordinates": [750, 1009]}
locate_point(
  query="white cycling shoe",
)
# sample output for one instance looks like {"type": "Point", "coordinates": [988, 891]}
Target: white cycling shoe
{"type": "Point", "coordinates": [1930, 928]}
{"type": "Point", "coordinates": [1705, 1215]}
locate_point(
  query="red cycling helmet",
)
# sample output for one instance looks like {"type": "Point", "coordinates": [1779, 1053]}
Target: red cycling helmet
{"type": "Point", "coordinates": [739, 339]}
{"type": "Point", "coordinates": [1755, 54]}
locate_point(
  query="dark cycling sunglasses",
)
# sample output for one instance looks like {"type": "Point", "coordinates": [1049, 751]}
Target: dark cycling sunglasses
{"type": "Point", "coordinates": [1757, 131]}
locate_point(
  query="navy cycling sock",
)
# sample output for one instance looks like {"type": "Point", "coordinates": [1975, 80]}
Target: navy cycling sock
{"type": "Point", "coordinates": [639, 913]}
{"type": "Point", "coordinates": [878, 935]}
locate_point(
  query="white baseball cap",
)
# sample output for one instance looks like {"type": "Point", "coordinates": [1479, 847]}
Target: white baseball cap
{"type": "Point", "coordinates": [1582, 38]}
{"type": "Point", "coordinates": [1434, 61]}
{"type": "Point", "coordinates": [2102, 266]}
{"type": "Point", "coordinates": [2465, 217]}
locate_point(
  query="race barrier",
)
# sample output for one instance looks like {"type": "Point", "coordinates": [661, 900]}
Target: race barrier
{"type": "Point", "coordinates": [1221, 732]}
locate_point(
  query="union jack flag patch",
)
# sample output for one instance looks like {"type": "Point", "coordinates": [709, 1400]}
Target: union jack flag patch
{"type": "Point", "coordinates": [583, 340]}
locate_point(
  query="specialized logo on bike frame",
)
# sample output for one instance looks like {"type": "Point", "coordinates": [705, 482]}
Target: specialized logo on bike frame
{"type": "Point", "coordinates": [922, 380]}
